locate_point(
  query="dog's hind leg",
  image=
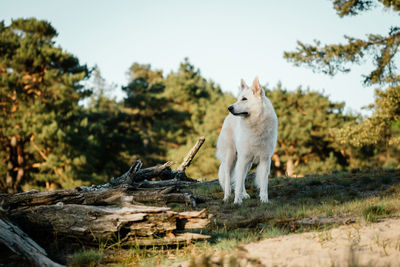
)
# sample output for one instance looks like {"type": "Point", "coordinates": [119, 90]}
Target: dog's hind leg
{"type": "Point", "coordinates": [262, 174]}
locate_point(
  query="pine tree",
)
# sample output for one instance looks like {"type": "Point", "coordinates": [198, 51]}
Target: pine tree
{"type": "Point", "coordinates": [39, 93]}
{"type": "Point", "coordinates": [171, 112]}
{"type": "Point", "coordinates": [305, 142]}
{"type": "Point", "coordinates": [107, 141]}
{"type": "Point", "coordinates": [151, 114]}
{"type": "Point", "coordinates": [205, 107]}
{"type": "Point", "coordinates": [382, 50]}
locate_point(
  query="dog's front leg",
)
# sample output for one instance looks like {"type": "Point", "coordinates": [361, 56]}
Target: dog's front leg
{"type": "Point", "coordinates": [242, 166]}
{"type": "Point", "coordinates": [262, 174]}
{"type": "Point", "coordinates": [245, 195]}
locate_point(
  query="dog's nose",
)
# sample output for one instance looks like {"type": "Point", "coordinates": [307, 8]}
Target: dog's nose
{"type": "Point", "coordinates": [230, 108]}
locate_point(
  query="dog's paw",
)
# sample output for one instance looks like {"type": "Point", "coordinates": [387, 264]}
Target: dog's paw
{"type": "Point", "coordinates": [264, 199]}
{"type": "Point", "coordinates": [238, 201]}
{"type": "Point", "coordinates": [246, 195]}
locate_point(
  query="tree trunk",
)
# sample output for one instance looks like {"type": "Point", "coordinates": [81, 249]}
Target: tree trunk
{"type": "Point", "coordinates": [290, 167]}
{"type": "Point", "coordinates": [277, 165]}
{"type": "Point", "coordinates": [15, 165]}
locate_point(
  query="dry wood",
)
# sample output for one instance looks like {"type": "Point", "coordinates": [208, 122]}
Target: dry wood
{"type": "Point", "coordinates": [168, 183]}
{"type": "Point", "coordinates": [189, 157]}
{"type": "Point", "coordinates": [18, 242]}
{"type": "Point", "coordinates": [133, 170]}
{"type": "Point", "coordinates": [163, 172]}
{"type": "Point", "coordinates": [68, 196]}
{"type": "Point", "coordinates": [110, 212]}
{"type": "Point", "coordinates": [92, 224]}
{"type": "Point", "coordinates": [164, 196]}
{"type": "Point", "coordinates": [135, 174]}
{"type": "Point", "coordinates": [161, 192]}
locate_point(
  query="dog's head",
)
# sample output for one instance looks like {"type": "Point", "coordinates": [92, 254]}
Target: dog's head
{"type": "Point", "coordinates": [248, 100]}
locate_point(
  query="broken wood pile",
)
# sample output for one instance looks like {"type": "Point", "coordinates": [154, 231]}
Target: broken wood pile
{"type": "Point", "coordinates": [113, 212]}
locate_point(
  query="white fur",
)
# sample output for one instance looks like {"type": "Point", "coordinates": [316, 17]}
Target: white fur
{"type": "Point", "coordinates": [246, 139]}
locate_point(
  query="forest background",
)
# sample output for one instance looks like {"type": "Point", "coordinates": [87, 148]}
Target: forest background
{"type": "Point", "coordinates": [60, 127]}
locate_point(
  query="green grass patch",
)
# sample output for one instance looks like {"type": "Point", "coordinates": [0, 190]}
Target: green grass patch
{"type": "Point", "coordinates": [334, 197]}
{"type": "Point", "coordinates": [88, 258]}
{"type": "Point", "coordinates": [374, 212]}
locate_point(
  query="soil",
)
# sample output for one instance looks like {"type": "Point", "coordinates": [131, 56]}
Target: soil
{"type": "Point", "coordinates": [362, 244]}
{"type": "Point", "coordinates": [358, 244]}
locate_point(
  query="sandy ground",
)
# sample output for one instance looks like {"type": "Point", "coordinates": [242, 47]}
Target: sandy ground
{"type": "Point", "coordinates": [375, 244]}
{"type": "Point", "coordinates": [360, 244]}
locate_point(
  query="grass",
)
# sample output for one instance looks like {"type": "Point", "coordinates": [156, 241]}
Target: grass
{"type": "Point", "coordinates": [88, 258]}
{"type": "Point", "coordinates": [329, 199]}
{"type": "Point", "coordinates": [372, 213]}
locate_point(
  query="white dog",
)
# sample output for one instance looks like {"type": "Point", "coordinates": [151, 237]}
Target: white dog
{"type": "Point", "coordinates": [248, 135]}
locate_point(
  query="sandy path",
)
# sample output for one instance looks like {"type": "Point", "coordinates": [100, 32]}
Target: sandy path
{"type": "Point", "coordinates": [359, 244]}
{"type": "Point", "coordinates": [375, 244]}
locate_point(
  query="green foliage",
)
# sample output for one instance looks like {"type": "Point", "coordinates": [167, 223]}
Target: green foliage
{"type": "Point", "coordinates": [305, 143]}
{"type": "Point", "coordinates": [53, 135]}
{"type": "Point", "coordinates": [205, 164]}
{"type": "Point", "coordinates": [168, 114]}
{"type": "Point", "coordinates": [377, 130]}
{"type": "Point", "coordinates": [189, 106]}
{"type": "Point", "coordinates": [153, 114]}
{"type": "Point", "coordinates": [171, 112]}
{"type": "Point", "coordinates": [39, 93]}
{"type": "Point", "coordinates": [89, 258]}
{"type": "Point", "coordinates": [373, 212]}
{"type": "Point", "coordinates": [382, 51]}
{"type": "Point", "coordinates": [354, 7]}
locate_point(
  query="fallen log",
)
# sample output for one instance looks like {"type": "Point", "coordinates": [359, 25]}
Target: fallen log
{"type": "Point", "coordinates": [114, 212]}
{"type": "Point", "coordinates": [21, 244]}
{"type": "Point", "coordinates": [94, 224]}
{"type": "Point", "coordinates": [161, 192]}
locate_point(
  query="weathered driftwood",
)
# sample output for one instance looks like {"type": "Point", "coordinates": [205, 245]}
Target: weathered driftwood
{"type": "Point", "coordinates": [18, 242]}
{"type": "Point", "coordinates": [94, 224]}
{"type": "Point", "coordinates": [135, 174]}
{"type": "Point", "coordinates": [115, 211]}
{"type": "Point", "coordinates": [189, 157]}
{"type": "Point", "coordinates": [161, 192]}
{"type": "Point", "coordinates": [162, 172]}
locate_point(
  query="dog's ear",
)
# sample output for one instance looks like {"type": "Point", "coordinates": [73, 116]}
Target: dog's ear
{"type": "Point", "coordinates": [243, 84]}
{"type": "Point", "coordinates": [256, 88]}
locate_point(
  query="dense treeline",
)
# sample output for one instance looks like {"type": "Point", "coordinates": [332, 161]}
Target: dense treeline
{"type": "Point", "coordinates": [49, 139]}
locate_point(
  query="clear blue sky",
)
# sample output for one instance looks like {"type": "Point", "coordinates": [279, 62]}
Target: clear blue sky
{"type": "Point", "coordinates": [226, 40]}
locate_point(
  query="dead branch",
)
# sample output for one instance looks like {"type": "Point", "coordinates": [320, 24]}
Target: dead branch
{"type": "Point", "coordinates": [189, 157]}
{"type": "Point", "coordinates": [136, 174]}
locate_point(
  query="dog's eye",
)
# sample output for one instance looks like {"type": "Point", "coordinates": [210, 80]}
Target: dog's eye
{"type": "Point", "coordinates": [244, 99]}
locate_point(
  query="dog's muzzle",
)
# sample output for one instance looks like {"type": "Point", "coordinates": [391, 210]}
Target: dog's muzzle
{"type": "Point", "coordinates": [230, 108]}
